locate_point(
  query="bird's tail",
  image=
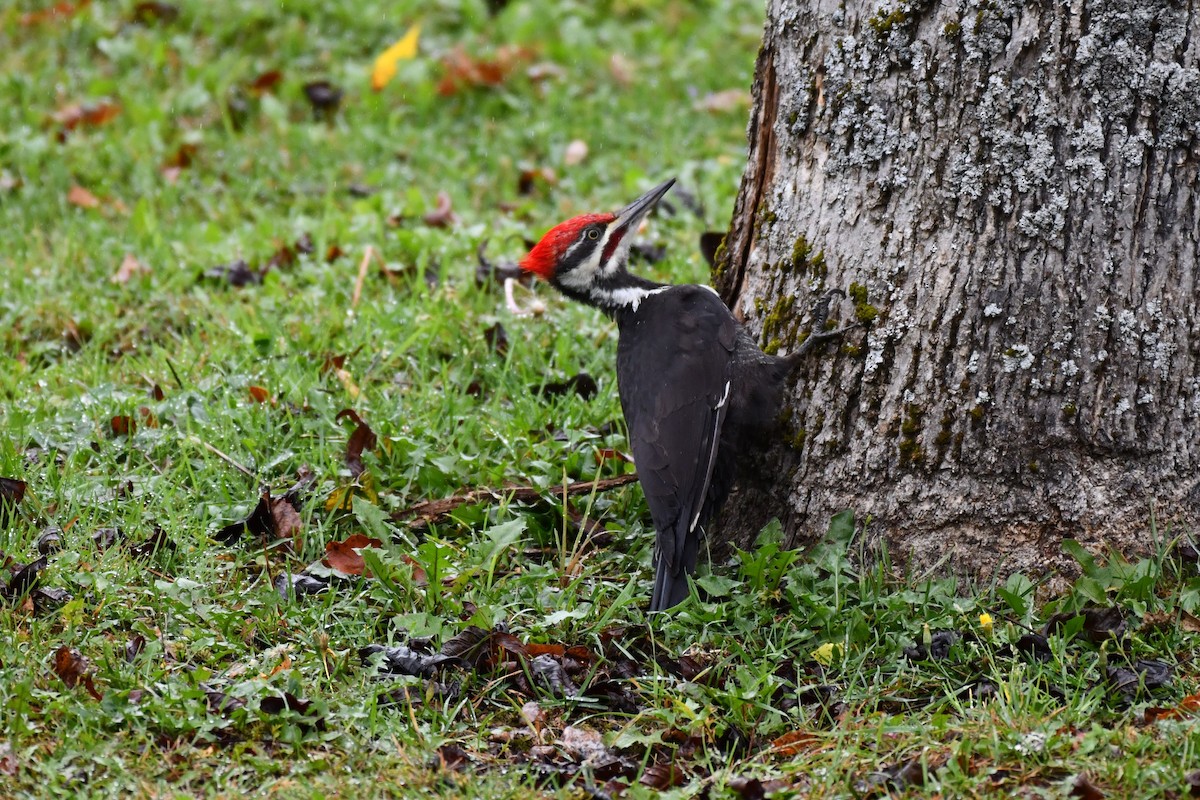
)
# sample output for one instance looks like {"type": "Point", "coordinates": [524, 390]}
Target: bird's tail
{"type": "Point", "coordinates": [671, 580]}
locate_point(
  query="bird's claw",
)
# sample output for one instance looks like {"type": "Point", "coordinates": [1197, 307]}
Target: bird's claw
{"type": "Point", "coordinates": [820, 317]}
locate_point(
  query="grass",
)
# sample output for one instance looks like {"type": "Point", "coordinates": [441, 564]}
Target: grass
{"type": "Point", "coordinates": [790, 670]}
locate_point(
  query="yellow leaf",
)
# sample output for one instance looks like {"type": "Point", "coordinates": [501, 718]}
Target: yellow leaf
{"type": "Point", "coordinates": [825, 654]}
{"type": "Point", "coordinates": [403, 50]}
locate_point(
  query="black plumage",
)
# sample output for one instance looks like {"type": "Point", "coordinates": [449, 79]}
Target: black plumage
{"type": "Point", "coordinates": [695, 388]}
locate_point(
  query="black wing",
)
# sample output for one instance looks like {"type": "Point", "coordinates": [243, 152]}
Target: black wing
{"type": "Point", "coordinates": [674, 364]}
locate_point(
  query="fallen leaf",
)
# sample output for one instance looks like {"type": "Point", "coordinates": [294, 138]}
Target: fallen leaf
{"type": "Point", "coordinates": [1099, 623]}
{"type": "Point", "coordinates": [1085, 789]}
{"type": "Point", "coordinates": [728, 100]}
{"type": "Point", "coordinates": [79, 196]}
{"type": "Point", "coordinates": [24, 578]}
{"type": "Point", "coordinates": [123, 425]}
{"type": "Point", "coordinates": [182, 157]}
{"type": "Point", "coordinates": [154, 543]}
{"type": "Point", "coordinates": [575, 152]}
{"type": "Point", "coordinates": [12, 492]}
{"type": "Point", "coordinates": [266, 82]}
{"type": "Point", "coordinates": [405, 49]}
{"type": "Point", "coordinates": [1189, 622]}
{"type": "Point", "coordinates": [361, 439]}
{"type": "Point", "coordinates": [147, 13]}
{"type": "Point", "coordinates": [285, 519]}
{"type": "Point", "coordinates": [55, 13]}
{"type": "Point", "coordinates": [276, 517]}
{"type": "Point", "coordinates": [404, 660]}
{"type": "Point", "coordinates": [345, 556]}
{"type": "Point", "coordinates": [348, 383]}
{"type": "Point", "coordinates": [134, 647]}
{"type": "Point", "coordinates": [1192, 781]}
{"type": "Point", "coordinates": [442, 215]}
{"type": "Point", "coordinates": [258, 394]}
{"type": "Point", "coordinates": [130, 266]}
{"type": "Point", "coordinates": [465, 71]}
{"type": "Point", "coordinates": [90, 115]}
{"type": "Point", "coordinates": [221, 702]}
{"type": "Point", "coordinates": [549, 672]}
{"type": "Point", "coordinates": [104, 538]}
{"type": "Point", "coordinates": [74, 670]}
{"type": "Point", "coordinates": [793, 743]}
{"type": "Point", "coordinates": [663, 776]}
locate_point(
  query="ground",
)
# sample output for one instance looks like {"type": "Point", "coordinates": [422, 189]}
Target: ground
{"type": "Point", "coordinates": [209, 256]}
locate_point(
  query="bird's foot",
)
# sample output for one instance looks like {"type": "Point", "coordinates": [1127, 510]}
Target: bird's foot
{"type": "Point", "coordinates": [818, 334]}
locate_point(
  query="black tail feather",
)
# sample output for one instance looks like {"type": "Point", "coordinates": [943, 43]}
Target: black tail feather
{"type": "Point", "coordinates": [671, 585]}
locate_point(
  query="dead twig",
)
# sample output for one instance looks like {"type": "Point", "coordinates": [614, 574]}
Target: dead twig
{"type": "Point", "coordinates": [432, 510]}
{"type": "Point", "coordinates": [362, 275]}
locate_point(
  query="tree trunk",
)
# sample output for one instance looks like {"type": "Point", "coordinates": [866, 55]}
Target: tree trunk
{"type": "Point", "coordinates": [1010, 191]}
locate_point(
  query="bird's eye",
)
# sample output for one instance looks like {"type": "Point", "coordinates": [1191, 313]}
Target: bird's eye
{"type": "Point", "coordinates": [593, 234]}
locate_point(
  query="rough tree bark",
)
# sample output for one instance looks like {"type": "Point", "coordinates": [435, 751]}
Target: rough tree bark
{"type": "Point", "coordinates": [1012, 188]}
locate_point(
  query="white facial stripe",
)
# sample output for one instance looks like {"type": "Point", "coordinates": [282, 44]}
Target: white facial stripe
{"type": "Point", "coordinates": [583, 276]}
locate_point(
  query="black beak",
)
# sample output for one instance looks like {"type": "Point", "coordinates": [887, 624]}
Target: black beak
{"type": "Point", "coordinates": [629, 216]}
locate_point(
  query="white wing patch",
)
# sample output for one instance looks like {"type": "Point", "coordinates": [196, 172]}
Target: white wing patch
{"type": "Point", "coordinates": [712, 454]}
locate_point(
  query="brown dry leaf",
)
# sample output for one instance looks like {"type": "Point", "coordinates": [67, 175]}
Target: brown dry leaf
{"type": "Point", "coordinates": [442, 216]}
{"type": "Point", "coordinates": [1187, 706]}
{"type": "Point", "coordinates": [74, 670]}
{"type": "Point", "coordinates": [1189, 622]}
{"type": "Point", "coordinates": [345, 556]}
{"type": "Point", "coordinates": [258, 394]}
{"type": "Point", "coordinates": [464, 71]}
{"type": "Point", "coordinates": [720, 102]}
{"type": "Point", "coordinates": [267, 82]}
{"type": "Point", "coordinates": [130, 266]}
{"type": "Point", "coordinates": [795, 742]}
{"type": "Point", "coordinates": [56, 13]}
{"type": "Point", "coordinates": [419, 576]}
{"type": "Point", "coordinates": [79, 196]}
{"type": "Point", "coordinates": [183, 157]}
{"type": "Point", "coordinates": [91, 115]}
{"type": "Point", "coordinates": [12, 491]}
{"type": "Point", "coordinates": [286, 520]}
{"type": "Point", "coordinates": [663, 776]}
{"type": "Point", "coordinates": [1085, 789]}
{"type": "Point", "coordinates": [575, 153]}
{"type": "Point", "coordinates": [363, 438]}
{"type": "Point", "coordinates": [123, 425]}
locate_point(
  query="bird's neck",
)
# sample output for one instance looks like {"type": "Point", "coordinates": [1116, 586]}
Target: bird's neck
{"type": "Point", "coordinates": [621, 292]}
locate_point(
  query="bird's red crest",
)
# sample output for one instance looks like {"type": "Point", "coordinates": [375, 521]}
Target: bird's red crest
{"type": "Point", "coordinates": [544, 256]}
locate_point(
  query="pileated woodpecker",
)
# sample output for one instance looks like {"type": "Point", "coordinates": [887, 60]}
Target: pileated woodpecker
{"type": "Point", "coordinates": [694, 386]}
